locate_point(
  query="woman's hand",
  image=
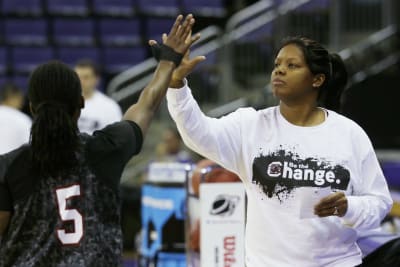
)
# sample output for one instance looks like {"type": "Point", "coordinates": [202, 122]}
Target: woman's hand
{"type": "Point", "coordinates": [187, 65]}
{"type": "Point", "coordinates": [180, 37]}
{"type": "Point", "coordinates": [332, 205]}
{"type": "Point", "coordinates": [184, 69]}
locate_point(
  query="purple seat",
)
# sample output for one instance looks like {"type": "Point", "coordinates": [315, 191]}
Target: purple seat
{"type": "Point", "coordinates": [67, 7]}
{"type": "Point", "coordinates": [22, 7]}
{"type": "Point", "coordinates": [314, 6]}
{"type": "Point", "coordinates": [119, 59]}
{"type": "Point", "coordinates": [119, 32]}
{"type": "Point", "coordinates": [114, 7]}
{"type": "Point", "coordinates": [3, 60]}
{"type": "Point", "coordinates": [392, 173]}
{"type": "Point", "coordinates": [71, 55]}
{"type": "Point", "coordinates": [25, 59]}
{"type": "Point", "coordinates": [73, 32]}
{"type": "Point", "coordinates": [155, 27]}
{"type": "Point", "coordinates": [26, 31]}
{"type": "Point", "coordinates": [206, 8]}
{"type": "Point", "coordinates": [159, 7]}
{"type": "Point", "coordinates": [21, 81]}
{"type": "Point", "coordinates": [3, 80]}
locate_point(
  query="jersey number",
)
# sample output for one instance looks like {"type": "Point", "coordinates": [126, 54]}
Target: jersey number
{"type": "Point", "coordinates": [69, 238]}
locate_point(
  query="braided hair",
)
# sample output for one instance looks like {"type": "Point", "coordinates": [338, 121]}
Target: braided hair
{"type": "Point", "coordinates": [55, 97]}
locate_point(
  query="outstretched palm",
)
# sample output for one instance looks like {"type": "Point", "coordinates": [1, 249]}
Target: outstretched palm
{"type": "Point", "coordinates": [180, 39]}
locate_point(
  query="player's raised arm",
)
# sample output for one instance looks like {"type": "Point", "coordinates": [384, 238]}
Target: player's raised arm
{"type": "Point", "coordinates": [171, 52]}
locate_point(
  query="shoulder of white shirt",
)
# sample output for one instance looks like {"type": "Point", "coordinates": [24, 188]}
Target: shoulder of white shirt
{"type": "Point", "coordinates": [17, 115]}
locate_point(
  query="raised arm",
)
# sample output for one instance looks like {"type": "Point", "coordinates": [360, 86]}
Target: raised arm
{"type": "Point", "coordinates": [174, 46]}
{"type": "Point", "coordinates": [217, 139]}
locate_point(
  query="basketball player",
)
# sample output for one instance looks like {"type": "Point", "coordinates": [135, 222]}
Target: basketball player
{"type": "Point", "coordinates": [59, 203]}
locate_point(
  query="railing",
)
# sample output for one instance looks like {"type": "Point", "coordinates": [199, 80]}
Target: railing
{"type": "Point", "coordinates": [125, 87]}
{"type": "Point", "coordinates": [239, 61]}
{"type": "Point", "coordinates": [250, 45]}
{"type": "Point", "coordinates": [242, 58]}
{"type": "Point", "coordinates": [372, 55]}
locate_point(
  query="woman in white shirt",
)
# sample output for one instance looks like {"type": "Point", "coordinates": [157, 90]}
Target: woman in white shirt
{"type": "Point", "coordinates": [311, 175]}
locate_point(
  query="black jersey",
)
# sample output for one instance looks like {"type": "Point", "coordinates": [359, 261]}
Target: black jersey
{"type": "Point", "coordinates": [72, 220]}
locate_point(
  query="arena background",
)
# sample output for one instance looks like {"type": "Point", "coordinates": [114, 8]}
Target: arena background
{"type": "Point", "coordinates": [239, 38]}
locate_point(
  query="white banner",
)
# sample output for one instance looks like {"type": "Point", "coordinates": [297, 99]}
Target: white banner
{"type": "Point", "coordinates": [222, 224]}
{"type": "Point", "coordinates": [168, 172]}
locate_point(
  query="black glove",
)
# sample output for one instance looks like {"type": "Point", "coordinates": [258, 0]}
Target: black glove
{"type": "Point", "coordinates": [164, 52]}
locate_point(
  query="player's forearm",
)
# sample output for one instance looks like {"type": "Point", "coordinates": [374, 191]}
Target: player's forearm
{"type": "Point", "coordinates": [151, 97]}
{"type": "Point", "coordinates": [155, 92]}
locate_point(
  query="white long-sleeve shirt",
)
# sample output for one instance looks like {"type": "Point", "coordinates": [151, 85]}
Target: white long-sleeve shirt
{"type": "Point", "coordinates": [99, 111]}
{"type": "Point", "coordinates": [276, 160]}
{"type": "Point", "coordinates": [15, 129]}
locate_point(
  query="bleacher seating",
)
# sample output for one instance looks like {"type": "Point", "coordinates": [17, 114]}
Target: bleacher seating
{"type": "Point", "coordinates": [3, 60]}
{"type": "Point", "coordinates": [67, 7]}
{"type": "Point", "coordinates": [119, 32]}
{"type": "Point", "coordinates": [22, 7]}
{"type": "Point", "coordinates": [155, 27]}
{"type": "Point", "coordinates": [207, 8]}
{"type": "Point", "coordinates": [112, 33]}
{"type": "Point", "coordinates": [73, 32]}
{"type": "Point", "coordinates": [26, 31]}
{"type": "Point", "coordinates": [71, 55]}
{"type": "Point", "coordinates": [21, 81]}
{"type": "Point", "coordinates": [116, 59]}
{"type": "Point", "coordinates": [114, 7]}
{"type": "Point", "coordinates": [25, 59]}
{"type": "Point", "coordinates": [159, 7]}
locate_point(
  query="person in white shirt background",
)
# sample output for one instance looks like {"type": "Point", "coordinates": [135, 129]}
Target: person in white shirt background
{"type": "Point", "coordinates": [100, 110]}
{"type": "Point", "coordinates": [170, 149]}
{"type": "Point", "coordinates": [15, 125]}
{"type": "Point", "coordinates": [290, 154]}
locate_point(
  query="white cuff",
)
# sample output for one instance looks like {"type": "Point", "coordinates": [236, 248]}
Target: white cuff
{"type": "Point", "coordinates": [177, 95]}
{"type": "Point", "coordinates": [353, 203]}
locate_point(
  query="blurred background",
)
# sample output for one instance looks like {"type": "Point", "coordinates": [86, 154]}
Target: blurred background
{"type": "Point", "coordinates": [239, 38]}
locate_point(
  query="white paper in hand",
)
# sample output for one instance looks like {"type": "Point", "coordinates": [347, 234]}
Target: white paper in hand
{"type": "Point", "coordinates": [309, 197]}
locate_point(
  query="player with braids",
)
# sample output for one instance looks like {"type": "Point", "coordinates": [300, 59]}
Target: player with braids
{"type": "Point", "coordinates": [56, 102]}
{"type": "Point", "coordinates": [59, 200]}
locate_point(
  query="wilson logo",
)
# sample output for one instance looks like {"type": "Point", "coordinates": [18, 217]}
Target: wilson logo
{"type": "Point", "coordinates": [224, 205]}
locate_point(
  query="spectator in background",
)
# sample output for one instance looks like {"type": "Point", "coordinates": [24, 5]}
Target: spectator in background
{"type": "Point", "coordinates": [15, 125]}
{"type": "Point", "coordinates": [170, 149]}
{"type": "Point", "coordinates": [99, 110]}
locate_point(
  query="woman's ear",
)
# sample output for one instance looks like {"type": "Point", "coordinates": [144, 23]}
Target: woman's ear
{"type": "Point", "coordinates": [318, 80]}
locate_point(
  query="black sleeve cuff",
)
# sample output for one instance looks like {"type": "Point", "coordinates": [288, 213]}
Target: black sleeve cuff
{"type": "Point", "coordinates": [138, 135]}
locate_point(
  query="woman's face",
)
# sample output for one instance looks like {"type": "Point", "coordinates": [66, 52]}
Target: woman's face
{"type": "Point", "coordinates": [291, 78]}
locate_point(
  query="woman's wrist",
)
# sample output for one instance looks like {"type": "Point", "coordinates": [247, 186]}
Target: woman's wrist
{"type": "Point", "coordinates": [176, 83]}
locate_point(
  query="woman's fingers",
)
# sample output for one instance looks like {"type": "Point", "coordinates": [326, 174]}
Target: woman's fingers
{"type": "Point", "coordinates": [152, 42]}
{"type": "Point", "coordinates": [197, 60]}
{"type": "Point", "coordinates": [176, 25]}
{"type": "Point", "coordinates": [335, 204]}
{"type": "Point", "coordinates": [328, 201]}
{"type": "Point", "coordinates": [194, 38]}
{"type": "Point", "coordinates": [187, 28]}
